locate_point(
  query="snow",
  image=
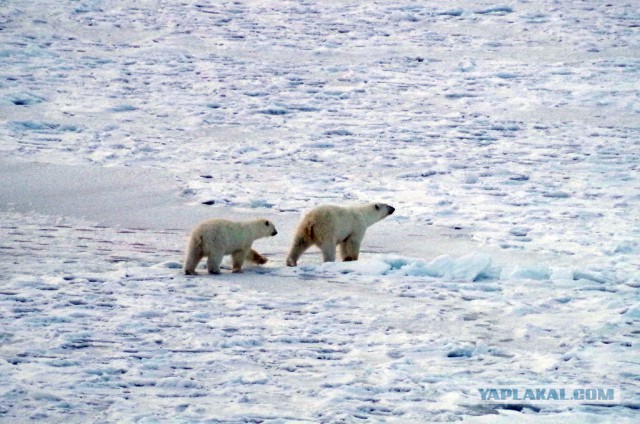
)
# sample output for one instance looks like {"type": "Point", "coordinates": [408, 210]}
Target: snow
{"type": "Point", "coordinates": [505, 134]}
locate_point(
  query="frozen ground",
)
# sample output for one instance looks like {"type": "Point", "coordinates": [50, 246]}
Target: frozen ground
{"type": "Point", "coordinates": [506, 134]}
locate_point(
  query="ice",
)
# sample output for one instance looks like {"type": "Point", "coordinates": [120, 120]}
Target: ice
{"type": "Point", "coordinates": [633, 312]}
{"type": "Point", "coordinates": [358, 267]}
{"type": "Point", "coordinates": [452, 12]}
{"type": "Point", "coordinates": [463, 352]}
{"type": "Point", "coordinates": [466, 268]}
{"type": "Point", "coordinates": [530, 273]}
{"type": "Point", "coordinates": [501, 10]}
{"type": "Point", "coordinates": [24, 99]}
{"type": "Point", "coordinates": [123, 108]}
{"type": "Point", "coordinates": [505, 134]}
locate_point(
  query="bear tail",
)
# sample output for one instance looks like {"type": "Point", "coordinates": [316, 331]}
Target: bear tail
{"type": "Point", "coordinates": [309, 233]}
{"type": "Point", "coordinates": [193, 256]}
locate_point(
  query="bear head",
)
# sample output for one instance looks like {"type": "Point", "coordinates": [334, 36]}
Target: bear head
{"type": "Point", "coordinates": [382, 210]}
{"type": "Point", "coordinates": [267, 229]}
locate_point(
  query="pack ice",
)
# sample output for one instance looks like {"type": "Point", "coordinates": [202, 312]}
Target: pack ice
{"type": "Point", "coordinates": [506, 135]}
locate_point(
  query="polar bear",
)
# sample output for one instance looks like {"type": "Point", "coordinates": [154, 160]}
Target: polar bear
{"type": "Point", "coordinates": [328, 226]}
{"type": "Point", "coordinates": [215, 238]}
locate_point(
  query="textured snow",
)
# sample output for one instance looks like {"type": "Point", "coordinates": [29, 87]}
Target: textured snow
{"type": "Point", "coordinates": [506, 135]}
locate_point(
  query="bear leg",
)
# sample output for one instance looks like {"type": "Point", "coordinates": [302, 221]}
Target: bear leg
{"type": "Point", "coordinates": [213, 263]}
{"type": "Point", "coordinates": [193, 257]}
{"type": "Point", "coordinates": [328, 251]}
{"type": "Point", "coordinates": [350, 249]}
{"type": "Point", "coordinates": [300, 245]}
{"type": "Point", "coordinates": [238, 258]}
{"type": "Point", "coordinates": [256, 258]}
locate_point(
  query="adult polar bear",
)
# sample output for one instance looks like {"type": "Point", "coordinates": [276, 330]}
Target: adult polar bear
{"type": "Point", "coordinates": [328, 226]}
{"type": "Point", "coordinates": [215, 238]}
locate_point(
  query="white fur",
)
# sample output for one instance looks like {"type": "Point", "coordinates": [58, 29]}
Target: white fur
{"type": "Point", "coordinates": [218, 237]}
{"type": "Point", "coordinates": [328, 226]}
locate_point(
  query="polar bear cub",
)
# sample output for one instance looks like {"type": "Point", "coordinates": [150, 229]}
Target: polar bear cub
{"type": "Point", "coordinates": [328, 226]}
{"type": "Point", "coordinates": [215, 238]}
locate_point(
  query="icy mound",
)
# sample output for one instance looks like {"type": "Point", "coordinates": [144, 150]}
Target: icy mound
{"type": "Point", "coordinates": [468, 268]}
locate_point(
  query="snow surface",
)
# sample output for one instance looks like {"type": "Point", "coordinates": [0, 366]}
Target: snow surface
{"type": "Point", "coordinates": [506, 135]}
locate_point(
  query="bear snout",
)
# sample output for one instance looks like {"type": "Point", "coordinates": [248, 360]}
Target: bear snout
{"type": "Point", "coordinates": [274, 233]}
{"type": "Point", "coordinates": [391, 209]}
